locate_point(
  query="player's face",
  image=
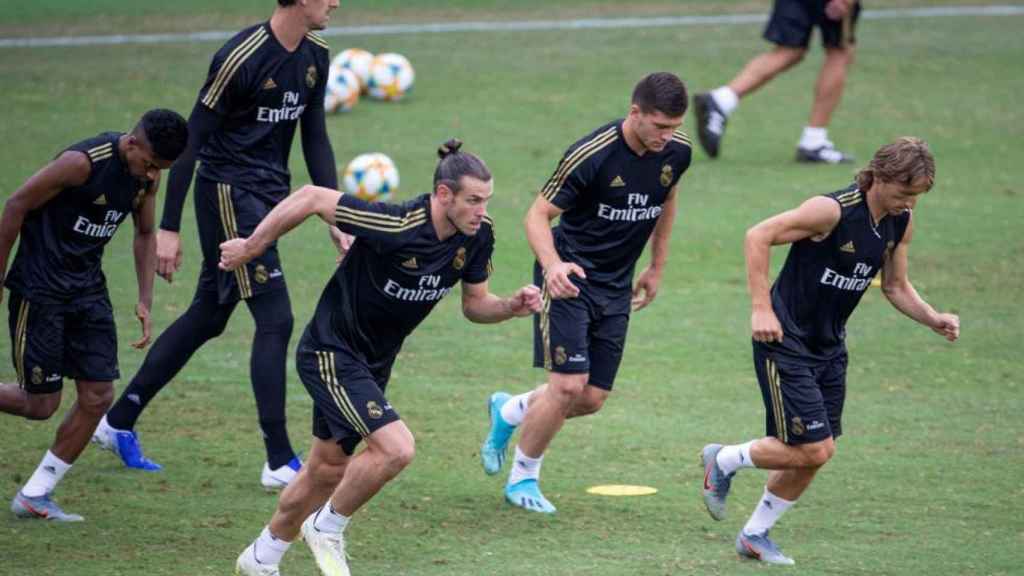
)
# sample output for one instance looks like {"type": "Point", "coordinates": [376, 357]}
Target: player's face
{"type": "Point", "coordinates": [467, 208]}
{"type": "Point", "coordinates": [142, 162]}
{"type": "Point", "coordinates": [318, 12]}
{"type": "Point", "coordinates": [654, 129]}
{"type": "Point", "coordinates": [898, 197]}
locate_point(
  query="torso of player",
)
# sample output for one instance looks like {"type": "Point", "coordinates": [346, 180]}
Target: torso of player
{"type": "Point", "coordinates": [605, 227]}
{"type": "Point", "coordinates": [261, 90]}
{"type": "Point", "coordinates": [822, 282]}
{"type": "Point", "coordinates": [62, 242]}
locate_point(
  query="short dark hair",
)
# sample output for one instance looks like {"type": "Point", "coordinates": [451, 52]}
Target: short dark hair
{"type": "Point", "coordinates": [661, 91]}
{"type": "Point", "coordinates": [166, 131]}
{"type": "Point", "coordinates": [285, 2]}
{"type": "Point", "coordinates": [455, 164]}
{"type": "Point", "coordinates": [905, 161]}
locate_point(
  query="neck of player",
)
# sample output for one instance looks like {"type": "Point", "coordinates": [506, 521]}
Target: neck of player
{"type": "Point", "coordinates": [443, 225]}
{"type": "Point", "coordinates": [288, 26]}
{"type": "Point", "coordinates": [632, 140]}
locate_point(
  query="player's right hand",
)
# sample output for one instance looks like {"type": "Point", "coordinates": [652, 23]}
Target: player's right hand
{"type": "Point", "coordinates": [233, 254]}
{"type": "Point", "coordinates": [168, 254]}
{"type": "Point", "coordinates": [837, 9]}
{"type": "Point", "coordinates": [557, 282]}
{"type": "Point", "coordinates": [765, 326]}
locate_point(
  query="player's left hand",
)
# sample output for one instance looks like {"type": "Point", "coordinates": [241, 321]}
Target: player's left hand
{"type": "Point", "coordinates": [142, 313]}
{"type": "Point", "coordinates": [342, 241]}
{"type": "Point", "coordinates": [526, 301]}
{"type": "Point", "coordinates": [947, 326]}
{"type": "Point", "coordinates": [837, 9]}
{"type": "Point", "coordinates": [233, 254]}
{"type": "Point", "coordinates": [646, 288]}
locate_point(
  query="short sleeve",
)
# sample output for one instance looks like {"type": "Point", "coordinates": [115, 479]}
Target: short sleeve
{"type": "Point", "coordinates": [384, 226]}
{"type": "Point", "coordinates": [479, 267]}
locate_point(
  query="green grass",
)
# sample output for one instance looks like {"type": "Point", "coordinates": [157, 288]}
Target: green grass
{"type": "Point", "coordinates": [926, 477]}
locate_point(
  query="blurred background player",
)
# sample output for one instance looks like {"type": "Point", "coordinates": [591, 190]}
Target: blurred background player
{"type": "Point", "coordinates": [404, 260]}
{"type": "Point", "coordinates": [789, 28]}
{"type": "Point", "coordinates": [60, 316]}
{"type": "Point", "coordinates": [263, 83]}
{"type": "Point", "coordinates": [839, 242]}
{"type": "Point", "coordinates": [613, 190]}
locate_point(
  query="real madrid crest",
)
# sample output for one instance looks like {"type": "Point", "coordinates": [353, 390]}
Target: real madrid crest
{"type": "Point", "coordinates": [798, 426]}
{"type": "Point", "coordinates": [373, 410]}
{"type": "Point", "coordinates": [460, 258]}
{"type": "Point", "coordinates": [260, 274]}
{"type": "Point", "coordinates": [311, 76]}
{"type": "Point", "coordinates": [666, 175]}
{"type": "Point", "coordinates": [37, 375]}
{"type": "Point", "coordinates": [560, 356]}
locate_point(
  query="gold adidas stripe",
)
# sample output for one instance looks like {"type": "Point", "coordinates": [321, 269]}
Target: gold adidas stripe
{"type": "Point", "coordinates": [340, 217]}
{"type": "Point", "coordinates": [227, 216]}
{"type": "Point", "coordinates": [325, 361]}
{"type": "Point", "coordinates": [100, 158]}
{"type": "Point", "coordinates": [100, 148]}
{"type": "Point", "coordinates": [545, 325]}
{"type": "Point", "coordinates": [20, 332]}
{"type": "Point", "coordinates": [681, 137]}
{"type": "Point", "coordinates": [574, 159]}
{"type": "Point", "coordinates": [341, 398]}
{"type": "Point", "coordinates": [777, 406]}
{"type": "Point", "coordinates": [848, 203]}
{"type": "Point", "coordinates": [848, 195]}
{"type": "Point", "coordinates": [318, 40]}
{"type": "Point", "coordinates": [231, 65]}
{"type": "Point", "coordinates": [383, 218]}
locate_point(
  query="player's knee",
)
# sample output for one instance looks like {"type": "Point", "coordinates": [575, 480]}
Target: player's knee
{"type": "Point", "coordinates": [96, 399]}
{"type": "Point", "coordinates": [41, 407]}
{"type": "Point", "coordinates": [398, 455]}
{"type": "Point", "coordinates": [567, 389]}
{"type": "Point", "coordinates": [818, 454]}
{"type": "Point", "coordinates": [326, 473]}
{"type": "Point", "coordinates": [277, 326]}
{"type": "Point", "coordinates": [790, 56]}
{"type": "Point", "coordinates": [212, 326]}
{"type": "Point", "coordinates": [590, 401]}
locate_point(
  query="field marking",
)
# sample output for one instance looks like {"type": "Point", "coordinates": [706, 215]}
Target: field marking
{"type": "Point", "coordinates": [514, 26]}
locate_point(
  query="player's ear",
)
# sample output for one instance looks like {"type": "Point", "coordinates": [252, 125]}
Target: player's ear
{"type": "Point", "coordinates": [444, 193]}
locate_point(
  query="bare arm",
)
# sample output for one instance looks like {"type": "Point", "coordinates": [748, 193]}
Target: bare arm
{"type": "Point", "coordinates": [291, 212]}
{"type": "Point", "coordinates": [901, 293]}
{"type": "Point", "coordinates": [815, 218]}
{"type": "Point", "coordinates": [481, 306]}
{"type": "Point", "coordinates": [538, 234]}
{"type": "Point", "coordinates": [144, 248]}
{"type": "Point", "coordinates": [69, 169]}
{"type": "Point", "coordinates": [647, 283]}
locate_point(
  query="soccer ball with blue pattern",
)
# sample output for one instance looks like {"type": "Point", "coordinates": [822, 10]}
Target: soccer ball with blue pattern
{"type": "Point", "coordinates": [372, 177]}
{"type": "Point", "coordinates": [342, 91]}
{"type": "Point", "coordinates": [358, 61]}
{"type": "Point", "coordinates": [391, 77]}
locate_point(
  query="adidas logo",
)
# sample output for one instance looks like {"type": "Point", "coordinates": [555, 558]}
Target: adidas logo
{"type": "Point", "coordinates": [848, 247]}
{"type": "Point", "coordinates": [50, 469]}
{"type": "Point", "coordinates": [101, 201]}
{"type": "Point", "coordinates": [617, 182]}
{"type": "Point", "coordinates": [134, 398]}
{"type": "Point", "coordinates": [269, 84]}
{"type": "Point", "coordinates": [410, 264]}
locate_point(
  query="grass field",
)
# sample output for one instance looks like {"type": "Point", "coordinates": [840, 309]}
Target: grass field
{"type": "Point", "coordinates": [926, 479]}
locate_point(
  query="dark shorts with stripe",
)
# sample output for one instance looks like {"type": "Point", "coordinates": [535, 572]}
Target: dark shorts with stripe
{"type": "Point", "coordinates": [582, 335]}
{"type": "Point", "coordinates": [76, 340]}
{"type": "Point", "coordinates": [348, 396]}
{"type": "Point", "coordinates": [792, 22]}
{"type": "Point", "coordinates": [803, 403]}
{"type": "Point", "coordinates": [224, 211]}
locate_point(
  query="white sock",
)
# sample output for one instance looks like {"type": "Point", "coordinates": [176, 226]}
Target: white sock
{"type": "Point", "coordinates": [327, 520]}
{"type": "Point", "coordinates": [813, 137]}
{"type": "Point", "coordinates": [269, 549]}
{"type": "Point", "coordinates": [726, 99]}
{"type": "Point", "coordinates": [524, 467]}
{"type": "Point", "coordinates": [732, 458]}
{"type": "Point", "coordinates": [513, 411]}
{"type": "Point", "coordinates": [767, 513]}
{"type": "Point", "coordinates": [46, 476]}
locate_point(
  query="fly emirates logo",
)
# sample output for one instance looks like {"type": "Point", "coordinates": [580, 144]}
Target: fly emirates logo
{"type": "Point", "coordinates": [428, 290]}
{"type": "Point", "coordinates": [859, 282]}
{"type": "Point", "coordinates": [290, 110]}
{"type": "Point", "coordinates": [635, 211]}
{"type": "Point", "coordinates": [111, 220]}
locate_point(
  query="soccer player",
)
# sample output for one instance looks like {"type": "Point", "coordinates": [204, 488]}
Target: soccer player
{"type": "Point", "coordinates": [789, 29]}
{"type": "Point", "coordinates": [264, 82]}
{"type": "Point", "coordinates": [61, 319]}
{"type": "Point", "coordinates": [839, 242]}
{"type": "Point", "coordinates": [404, 260]}
{"type": "Point", "coordinates": [613, 190]}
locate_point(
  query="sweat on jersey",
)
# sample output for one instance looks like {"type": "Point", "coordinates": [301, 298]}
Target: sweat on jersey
{"type": "Point", "coordinates": [612, 198]}
{"type": "Point", "coordinates": [61, 245]}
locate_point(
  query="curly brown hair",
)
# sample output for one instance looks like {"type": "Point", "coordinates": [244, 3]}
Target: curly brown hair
{"type": "Point", "coordinates": [906, 161]}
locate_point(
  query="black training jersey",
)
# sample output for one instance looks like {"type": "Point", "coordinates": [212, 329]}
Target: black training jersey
{"type": "Point", "coordinates": [260, 90]}
{"type": "Point", "coordinates": [612, 199]}
{"type": "Point", "coordinates": [62, 241]}
{"type": "Point", "coordinates": [822, 281]}
{"type": "Point", "coordinates": [394, 274]}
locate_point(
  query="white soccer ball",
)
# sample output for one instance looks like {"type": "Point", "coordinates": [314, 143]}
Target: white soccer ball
{"type": "Point", "coordinates": [372, 177]}
{"type": "Point", "coordinates": [358, 61]}
{"type": "Point", "coordinates": [342, 90]}
{"type": "Point", "coordinates": [391, 77]}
